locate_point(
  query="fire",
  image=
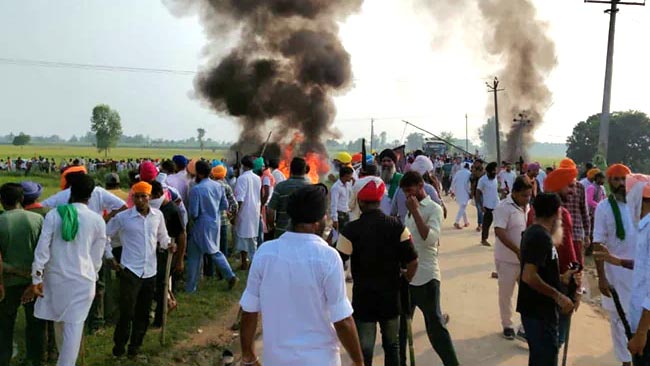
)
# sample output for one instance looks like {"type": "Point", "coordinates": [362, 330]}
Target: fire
{"type": "Point", "coordinates": [317, 163]}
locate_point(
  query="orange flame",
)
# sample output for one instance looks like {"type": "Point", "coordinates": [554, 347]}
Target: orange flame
{"type": "Point", "coordinates": [317, 163]}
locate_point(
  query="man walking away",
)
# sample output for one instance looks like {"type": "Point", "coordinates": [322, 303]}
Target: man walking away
{"type": "Point", "coordinates": [140, 229]}
{"type": "Point", "coordinates": [278, 216]}
{"type": "Point", "coordinates": [487, 196]}
{"type": "Point", "coordinates": [219, 175]}
{"type": "Point", "coordinates": [296, 282]}
{"type": "Point", "coordinates": [424, 222]}
{"type": "Point", "coordinates": [510, 218]}
{"type": "Point", "coordinates": [340, 195]}
{"type": "Point", "coordinates": [19, 232]}
{"type": "Point", "coordinates": [66, 265]}
{"type": "Point", "coordinates": [539, 286]}
{"type": "Point", "coordinates": [207, 201]}
{"type": "Point", "coordinates": [379, 247]}
{"type": "Point", "coordinates": [460, 188]}
{"type": "Point", "coordinates": [247, 192]}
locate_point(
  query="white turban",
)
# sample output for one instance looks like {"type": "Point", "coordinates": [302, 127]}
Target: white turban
{"type": "Point", "coordinates": [422, 165]}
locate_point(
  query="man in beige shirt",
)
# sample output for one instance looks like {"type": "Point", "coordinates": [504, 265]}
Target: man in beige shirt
{"type": "Point", "coordinates": [424, 221]}
{"type": "Point", "coordinates": [509, 223]}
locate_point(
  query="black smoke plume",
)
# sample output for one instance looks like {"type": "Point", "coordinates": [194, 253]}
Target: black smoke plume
{"type": "Point", "coordinates": [514, 35]}
{"type": "Point", "coordinates": [286, 66]}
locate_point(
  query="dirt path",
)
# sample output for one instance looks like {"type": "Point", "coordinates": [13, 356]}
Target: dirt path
{"type": "Point", "coordinates": [469, 296]}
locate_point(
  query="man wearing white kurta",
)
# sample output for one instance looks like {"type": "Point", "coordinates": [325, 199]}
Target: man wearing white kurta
{"type": "Point", "coordinates": [460, 188]}
{"type": "Point", "coordinates": [619, 236]}
{"type": "Point", "coordinates": [247, 193]}
{"type": "Point", "coordinates": [64, 271]}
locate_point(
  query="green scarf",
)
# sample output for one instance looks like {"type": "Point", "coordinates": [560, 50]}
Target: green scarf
{"type": "Point", "coordinates": [69, 221]}
{"type": "Point", "coordinates": [620, 229]}
{"type": "Point", "coordinates": [394, 184]}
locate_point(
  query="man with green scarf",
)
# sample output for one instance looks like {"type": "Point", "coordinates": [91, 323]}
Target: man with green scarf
{"type": "Point", "coordinates": [614, 229]}
{"type": "Point", "coordinates": [390, 176]}
{"type": "Point", "coordinates": [66, 265]}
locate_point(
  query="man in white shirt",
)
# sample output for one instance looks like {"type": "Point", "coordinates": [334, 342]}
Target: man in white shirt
{"type": "Point", "coordinates": [67, 260]}
{"type": "Point", "coordinates": [180, 180]}
{"type": "Point", "coordinates": [247, 193]}
{"type": "Point", "coordinates": [340, 196]}
{"type": "Point", "coordinates": [296, 282]}
{"type": "Point", "coordinates": [140, 230]}
{"type": "Point", "coordinates": [614, 229]}
{"type": "Point", "coordinates": [487, 195]}
{"type": "Point", "coordinates": [460, 188]}
{"type": "Point", "coordinates": [274, 164]}
{"type": "Point", "coordinates": [424, 222]}
{"type": "Point", "coordinates": [507, 179]}
{"type": "Point", "coordinates": [510, 218]}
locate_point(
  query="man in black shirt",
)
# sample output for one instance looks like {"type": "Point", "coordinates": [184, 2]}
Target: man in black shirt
{"type": "Point", "coordinates": [540, 293]}
{"type": "Point", "coordinates": [176, 231]}
{"type": "Point", "coordinates": [379, 246]}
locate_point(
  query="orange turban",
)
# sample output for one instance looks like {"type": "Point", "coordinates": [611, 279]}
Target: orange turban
{"type": "Point", "coordinates": [219, 172]}
{"type": "Point", "coordinates": [141, 187]}
{"type": "Point", "coordinates": [191, 167]}
{"type": "Point", "coordinates": [568, 164]}
{"type": "Point", "coordinates": [559, 179]}
{"type": "Point", "coordinates": [592, 173]}
{"type": "Point", "coordinates": [72, 169]}
{"type": "Point", "coordinates": [618, 170]}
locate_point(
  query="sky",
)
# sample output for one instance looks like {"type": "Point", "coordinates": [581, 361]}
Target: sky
{"type": "Point", "coordinates": [405, 67]}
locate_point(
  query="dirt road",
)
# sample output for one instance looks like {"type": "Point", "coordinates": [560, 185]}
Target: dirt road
{"type": "Point", "coordinates": [469, 296]}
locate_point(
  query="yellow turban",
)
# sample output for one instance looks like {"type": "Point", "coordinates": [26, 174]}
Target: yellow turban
{"type": "Point", "coordinates": [219, 172]}
{"type": "Point", "coordinates": [592, 173]}
{"type": "Point", "coordinates": [141, 187]}
{"type": "Point", "coordinates": [618, 170]}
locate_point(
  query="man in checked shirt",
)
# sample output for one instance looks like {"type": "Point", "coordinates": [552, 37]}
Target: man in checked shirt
{"type": "Point", "coordinates": [577, 206]}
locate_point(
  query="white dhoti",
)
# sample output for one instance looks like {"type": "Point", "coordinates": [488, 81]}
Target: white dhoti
{"type": "Point", "coordinates": [621, 279]}
{"type": "Point", "coordinates": [68, 341]}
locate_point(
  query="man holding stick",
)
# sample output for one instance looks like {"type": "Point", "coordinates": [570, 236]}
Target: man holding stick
{"type": "Point", "coordinates": [614, 230]}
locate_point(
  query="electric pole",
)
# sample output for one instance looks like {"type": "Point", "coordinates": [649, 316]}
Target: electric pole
{"type": "Point", "coordinates": [494, 88]}
{"type": "Point", "coordinates": [466, 134]}
{"type": "Point", "coordinates": [372, 133]}
{"type": "Point", "coordinates": [603, 139]}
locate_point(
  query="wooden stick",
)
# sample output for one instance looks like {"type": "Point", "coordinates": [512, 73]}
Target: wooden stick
{"type": "Point", "coordinates": [168, 268]}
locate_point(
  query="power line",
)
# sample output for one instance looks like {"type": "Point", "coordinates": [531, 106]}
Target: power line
{"type": "Point", "coordinates": [81, 66]}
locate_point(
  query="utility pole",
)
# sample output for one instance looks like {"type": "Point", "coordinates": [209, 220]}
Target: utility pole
{"type": "Point", "coordinates": [372, 133]}
{"type": "Point", "coordinates": [603, 139]}
{"type": "Point", "coordinates": [521, 123]}
{"type": "Point", "coordinates": [494, 88]}
{"type": "Point", "coordinates": [466, 134]}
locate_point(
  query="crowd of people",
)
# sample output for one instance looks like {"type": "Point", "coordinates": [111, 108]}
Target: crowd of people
{"type": "Point", "coordinates": [379, 223]}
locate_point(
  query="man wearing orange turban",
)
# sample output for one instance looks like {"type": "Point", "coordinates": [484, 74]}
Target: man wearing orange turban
{"type": "Point", "coordinates": [141, 231]}
{"type": "Point", "coordinates": [614, 229]}
{"type": "Point", "coordinates": [227, 216]}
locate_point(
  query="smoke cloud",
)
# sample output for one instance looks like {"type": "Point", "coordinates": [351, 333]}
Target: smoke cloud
{"type": "Point", "coordinates": [514, 35]}
{"type": "Point", "coordinates": [286, 66]}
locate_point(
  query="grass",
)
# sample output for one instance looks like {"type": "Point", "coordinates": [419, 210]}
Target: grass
{"type": "Point", "coordinates": [211, 303]}
{"type": "Point", "coordinates": [59, 152]}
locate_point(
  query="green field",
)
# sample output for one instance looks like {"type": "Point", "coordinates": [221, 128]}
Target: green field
{"type": "Point", "coordinates": [59, 152]}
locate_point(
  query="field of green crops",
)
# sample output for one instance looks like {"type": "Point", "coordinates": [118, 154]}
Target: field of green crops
{"type": "Point", "coordinates": [59, 152]}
